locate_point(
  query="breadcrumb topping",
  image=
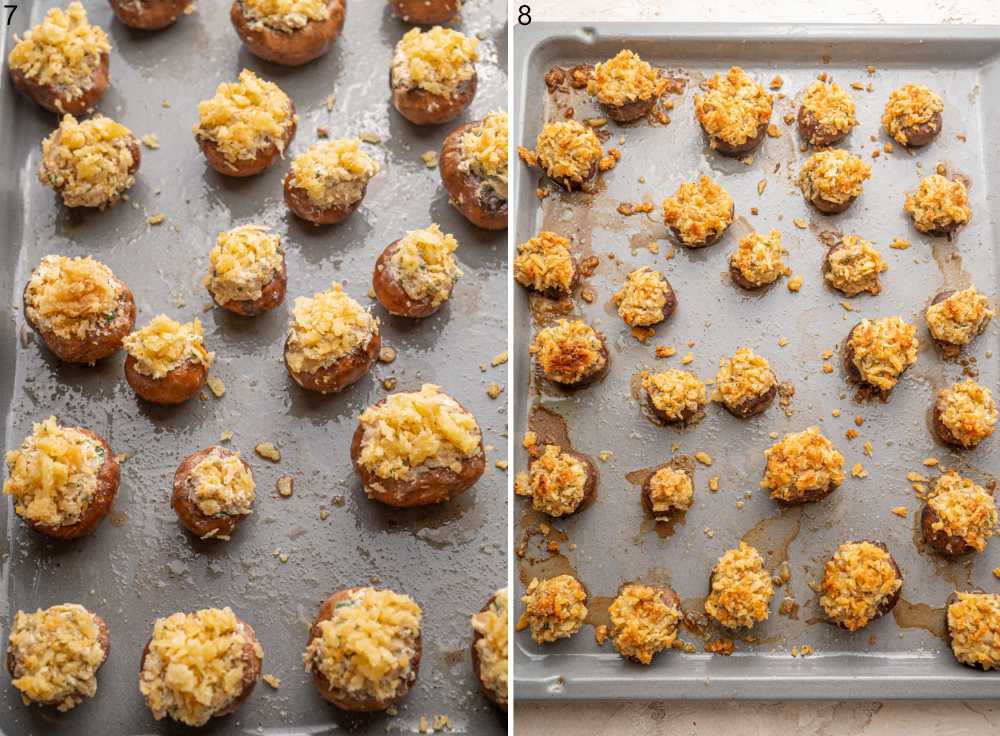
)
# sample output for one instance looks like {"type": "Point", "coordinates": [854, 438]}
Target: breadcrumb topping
{"type": "Point", "coordinates": [556, 482]}
{"type": "Point", "coordinates": [90, 162]}
{"type": "Point", "coordinates": [909, 106]}
{"type": "Point", "coordinates": [72, 297]}
{"type": "Point", "coordinates": [554, 608]}
{"type": "Point", "coordinates": [938, 204]}
{"type": "Point", "coordinates": [830, 106]}
{"type": "Point", "coordinates": [484, 151]}
{"type": "Point", "coordinates": [833, 175]}
{"type": "Point", "coordinates": [437, 60]}
{"type": "Point", "coordinates": [325, 328]}
{"type": "Point", "coordinates": [968, 411]}
{"type": "Point", "coordinates": [568, 151]}
{"type": "Point", "coordinates": [642, 624]}
{"type": "Point", "coordinates": [642, 298]}
{"type": "Point", "coordinates": [676, 393]}
{"type": "Point", "coordinates": [758, 258]}
{"type": "Point", "coordinates": [545, 263]}
{"type": "Point", "coordinates": [964, 509]}
{"type": "Point", "coordinates": [744, 378]}
{"type": "Point", "coordinates": [670, 489]}
{"type": "Point", "coordinates": [491, 646]}
{"type": "Point", "coordinates": [568, 351]}
{"type": "Point", "coordinates": [284, 15]}
{"type": "Point", "coordinates": [741, 588]}
{"type": "Point", "coordinates": [858, 579]}
{"type": "Point", "coordinates": [854, 266]}
{"type": "Point", "coordinates": [243, 261]}
{"type": "Point", "coordinates": [800, 464]}
{"type": "Point", "coordinates": [733, 107]}
{"type": "Point", "coordinates": [222, 484]}
{"type": "Point", "coordinates": [333, 173]}
{"type": "Point", "coordinates": [625, 78]}
{"type": "Point", "coordinates": [424, 264]}
{"type": "Point", "coordinates": [974, 629]}
{"type": "Point", "coordinates": [882, 349]}
{"type": "Point", "coordinates": [959, 318]}
{"type": "Point", "coordinates": [164, 345]}
{"type": "Point", "coordinates": [698, 211]}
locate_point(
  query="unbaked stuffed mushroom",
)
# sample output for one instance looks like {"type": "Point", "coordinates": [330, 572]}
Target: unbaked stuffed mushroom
{"type": "Point", "coordinates": [328, 182]}
{"type": "Point", "coordinates": [745, 383]}
{"type": "Point", "coordinates": [489, 648]}
{"type": "Point", "coordinates": [831, 180]}
{"type": "Point", "coordinates": [62, 63]}
{"type": "Point", "coordinates": [734, 111]}
{"type": "Point", "coordinates": [416, 448]}
{"type": "Point", "coordinates": [973, 627]}
{"type": "Point", "coordinates": [852, 266]}
{"type": "Point", "coordinates": [626, 87]}
{"type": "Point", "coordinates": [415, 275]}
{"type": "Point", "coordinates": [877, 352]}
{"type": "Point", "coordinates": [861, 583]}
{"type": "Point", "coordinates": [364, 649]}
{"type": "Point", "coordinates": [473, 167]}
{"type": "Point", "coordinates": [246, 273]}
{"type": "Point", "coordinates": [332, 341]}
{"type": "Point", "coordinates": [546, 265]}
{"type": "Point", "coordinates": [433, 75]}
{"type": "Point", "coordinates": [940, 206]}
{"type": "Point", "coordinates": [959, 516]}
{"type": "Point", "coordinates": [425, 12]}
{"type": "Point", "coordinates": [571, 353]}
{"type": "Point", "coordinates": [804, 466]}
{"type": "Point", "coordinates": [149, 15]}
{"type": "Point", "coordinates": [62, 480]}
{"type": "Point", "coordinates": [554, 608]}
{"type": "Point", "coordinates": [826, 114]}
{"type": "Point", "coordinates": [559, 482]}
{"type": "Point", "coordinates": [568, 152]}
{"type": "Point", "coordinates": [53, 655]}
{"type": "Point", "coordinates": [740, 589]}
{"type": "Point", "coordinates": [698, 213]}
{"type": "Point", "coordinates": [965, 414]}
{"type": "Point", "coordinates": [213, 492]}
{"type": "Point", "coordinates": [246, 126]}
{"type": "Point", "coordinates": [758, 261]}
{"type": "Point", "coordinates": [89, 163]}
{"type": "Point", "coordinates": [956, 318]}
{"type": "Point", "coordinates": [167, 362]}
{"type": "Point", "coordinates": [669, 490]}
{"type": "Point", "coordinates": [78, 307]}
{"type": "Point", "coordinates": [198, 666]}
{"type": "Point", "coordinates": [646, 298]}
{"type": "Point", "coordinates": [289, 32]}
{"type": "Point", "coordinates": [912, 115]}
{"type": "Point", "coordinates": [674, 396]}
{"type": "Point", "coordinates": [645, 620]}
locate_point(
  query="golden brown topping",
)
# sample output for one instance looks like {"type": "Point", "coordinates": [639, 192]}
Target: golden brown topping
{"type": "Point", "coordinates": [437, 60]}
{"type": "Point", "coordinates": [554, 608]}
{"type": "Point", "coordinates": [484, 151]}
{"type": "Point", "coordinates": [642, 299]}
{"type": "Point", "coordinates": [677, 394]}
{"type": "Point", "coordinates": [910, 106]}
{"type": "Point", "coordinates": [642, 624]}
{"type": "Point", "coordinates": [974, 628]}
{"type": "Point", "coordinates": [670, 489]}
{"type": "Point", "coordinates": [759, 258]}
{"type": "Point", "coordinates": [568, 151]}
{"type": "Point", "coordinates": [416, 431]}
{"type": "Point", "coordinates": [569, 351]}
{"type": "Point", "coordinates": [556, 482]}
{"type": "Point", "coordinates": [72, 297]}
{"type": "Point", "coordinates": [424, 264]}
{"type": "Point", "coordinates": [625, 78]}
{"type": "Point", "coordinates": [325, 328]}
{"type": "Point", "coordinates": [938, 204]}
{"type": "Point", "coordinates": [163, 345]}
{"type": "Point", "coordinates": [831, 106]}
{"type": "Point", "coordinates": [858, 579]}
{"type": "Point", "coordinates": [882, 349]}
{"type": "Point", "coordinates": [968, 411]}
{"type": "Point", "coordinates": [89, 163]}
{"type": "Point", "coordinates": [744, 377]}
{"type": "Point", "coordinates": [56, 653]}
{"type": "Point", "coordinates": [741, 588]}
{"type": "Point", "coordinates": [243, 261]}
{"type": "Point", "coordinates": [284, 15]}
{"type": "Point", "coordinates": [963, 510]}
{"type": "Point", "coordinates": [733, 107]}
{"type": "Point", "coordinates": [698, 211]}
{"type": "Point", "coordinates": [333, 173]}
{"type": "Point", "coordinates": [545, 263]}
{"type": "Point", "coordinates": [800, 464]}
{"type": "Point", "coordinates": [491, 646]}
{"type": "Point", "coordinates": [854, 266]}
{"type": "Point", "coordinates": [223, 485]}
{"type": "Point", "coordinates": [959, 318]}
{"type": "Point", "coordinates": [833, 175]}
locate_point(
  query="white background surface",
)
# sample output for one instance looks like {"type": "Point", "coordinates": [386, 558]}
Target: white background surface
{"type": "Point", "coordinates": [765, 719]}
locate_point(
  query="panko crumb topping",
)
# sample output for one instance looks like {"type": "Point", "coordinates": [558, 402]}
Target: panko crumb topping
{"type": "Point", "coordinates": [698, 211]}
{"type": "Point", "coordinates": [222, 484]}
{"type": "Point", "coordinates": [89, 162]}
{"type": "Point", "coordinates": [72, 297]}
{"type": "Point", "coordinates": [974, 628]}
{"type": "Point", "coordinates": [854, 266]}
{"type": "Point", "coordinates": [758, 258]}
{"type": "Point", "coordinates": [642, 624]}
{"type": "Point", "coordinates": [245, 117]}
{"type": "Point", "coordinates": [243, 261]}
{"type": "Point", "coordinates": [568, 351]}
{"type": "Point", "coordinates": [325, 328]}
{"type": "Point", "coordinates": [545, 263]}
{"type": "Point", "coordinates": [55, 653]}
{"type": "Point", "coordinates": [412, 432]}
{"type": "Point", "coordinates": [554, 608]}
{"type": "Point", "coordinates": [437, 60]}
{"type": "Point", "coordinates": [959, 318]}
{"type": "Point", "coordinates": [63, 51]}
{"type": "Point", "coordinates": [163, 345]}
{"type": "Point", "coordinates": [858, 579]}
{"type": "Point", "coordinates": [556, 482]}
{"type": "Point", "coordinates": [625, 78]}
{"type": "Point", "coordinates": [938, 204]}
{"type": "Point", "coordinates": [568, 151]}
{"type": "Point", "coordinates": [52, 476]}
{"type": "Point", "coordinates": [830, 106]}
{"type": "Point", "coordinates": [882, 349]}
{"type": "Point", "coordinates": [366, 648]}
{"type": "Point", "coordinates": [741, 588]}
{"type": "Point", "coordinates": [676, 393]}
{"type": "Point", "coordinates": [333, 173]}
{"type": "Point", "coordinates": [733, 107]}
{"type": "Point", "coordinates": [491, 646]}
{"type": "Point", "coordinates": [484, 151]}
{"type": "Point", "coordinates": [909, 106]}
{"type": "Point", "coordinates": [964, 509]}
{"type": "Point", "coordinates": [744, 378]}
{"type": "Point", "coordinates": [287, 16]}
{"type": "Point", "coordinates": [968, 411]}
{"type": "Point", "coordinates": [194, 665]}
{"type": "Point", "coordinates": [833, 175]}
{"type": "Point", "coordinates": [424, 264]}
{"type": "Point", "coordinates": [642, 298]}
{"type": "Point", "coordinates": [670, 489]}
{"type": "Point", "coordinates": [802, 463]}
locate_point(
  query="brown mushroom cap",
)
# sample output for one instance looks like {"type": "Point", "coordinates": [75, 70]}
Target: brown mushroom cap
{"type": "Point", "coordinates": [470, 195]}
{"type": "Point", "coordinates": [55, 101]}
{"type": "Point", "coordinates": [343, 372]}
{"type": "Point", "coordinates": [421, 107]}
{"type": "Point", "coordinates": [290, 49]}
{"type": "Point", "coordinates": [149, 15]}
{"type": "Point", "coordinates": [184, 505]}
{"type": "Point", "coordinates": [175, 387]}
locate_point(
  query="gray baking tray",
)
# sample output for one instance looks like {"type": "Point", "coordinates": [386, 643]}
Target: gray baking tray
{"type": "Point", "coordinates": [140, 564]}
{"type": "Point", "coordinates": [901, 656]}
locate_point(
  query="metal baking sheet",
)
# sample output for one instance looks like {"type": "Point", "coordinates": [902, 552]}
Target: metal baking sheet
{"type": "Point", "coordinates": [901, 656]}
{"type": "Point", "coordinates": [140, 564]}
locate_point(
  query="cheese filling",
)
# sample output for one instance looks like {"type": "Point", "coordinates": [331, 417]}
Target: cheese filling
{"type": "Point", "coordinates": [801, 463]}
{"type": "Point", "coordinates": [287, 16]}
{"type": "Point", "coordinates": [733, 107]}
{"type": "Point", "coordinates": [491, 646]}
{"type": "Point", "coordinates": [642, 299]}
{"type": "Point", "coordinates": [741, 588]}
{"type": "Point", "coordinates": [556, 482]}
{"type": "Point", "coordinates": [959, 318]}
{"type": "Point", "coordinates": [484, 152]}
{"type": "Point", "coordinates": [325, 328]}
{"type": "Point", "coordinates": [625, 78]}
{"type": "Point", "coordinates": [545, 263]}
{"type": "Point", "coordinates": [834, 176]}
{"type": "Point", "coordinates": [641, 623]}
{"type": "Point", "coordinates": [90, 162]}
{"type": "Point", "coordinates": [423, 263]}
{"type": "Point", "coordinates": [333, 173]}
{"type": "Point", "coordinates": [554, 608]}
{"type": "Point", "coordinates": [758, 258]}
{"type": "Point", "coordinates": [853, 266]}
{"type": "Point", "coordinates": [243, 261]}
{"type": "Point", "coordinates": [437, 61]}
{"type": "Point", "coordinates": [677, 394]}
{"type": "Point", "coordinates": [857, 581]}
{"type": "Point", "coordinates": [699, 211]}
{"type": "Point", "coordinates": [882, 349]}
{"type": "Point", "coordinates": [222, 484]}
{"type": "Point", "coordinates": [165, 345]}
{"type": "Point", "coordinates": [72, 297]}
{"type": "Point", "coordinates": [974, 628]}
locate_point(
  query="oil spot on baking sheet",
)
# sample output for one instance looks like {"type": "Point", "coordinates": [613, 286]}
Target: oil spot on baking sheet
{"type": "Point", "coordinates": [949, 263]}
{"type": "Point", "coordinates": [920, 616]}
{"type": "Point", "coordinates": [774, 535]}
{"type": "Point", "coordinates": [597, 610]}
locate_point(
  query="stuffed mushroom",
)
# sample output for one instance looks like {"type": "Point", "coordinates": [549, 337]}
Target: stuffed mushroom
{"type": "Point", "coordinates": [473, 165]}
{"type": "Point", "coordinates": [568, 152]}
{"type": "Point", "coordinates": [758, 261]}
{"type": "Point", "coordinates": [149, 15]}
{"type": "Point", "coordinates": [852, 266]}
{"type": "Point", "coordinates": [433, 75]}
{"type": "Point", "coordinates": [675, 396]}
{"type": "Point", "coordinates": [964, 414]}
{"type": "Point", "coordinates": [973, 628]}
{"type": "Point", "coordinates": [571, 354]}
{"type": "Point", "coordinates": [803, 467]}
{"type": "Point", "coordinates": [861, 582]}
{"type": "Point", "coordinates": [734, 111]}
{"type": "Point", "coordinates": [415, 275]}
{"type": "Point", "coordinates": [912, 115]}
{"type": "Point", "coordinates": [554, 608]}
{"type": "Point", "coordinates": [745, 383]}
{"type": "Point", "coordinates": [559, 482]}
{"type": "Point", "coordinates": [959, 516]}
{"type": "Point", "coordinates": [626, 87]}
{"type": "Point", "coordinates": [489, 648]}
{"type": "Point", "coordinates": [213, 492]}
{"type": "Point", "coordinates": [698, 213]}
{"type": "Point", "coordinates": [826, 114]}
{"type": "Point", "coordinates": [940, 206]}
{"type": "Point", "coordinates": [327, 183]}
{"type": "Point", "coordinates": [288, 32]}
{"type": "Point", "coordinates": [646, 298]}
{"type": "Point", "coordinates": [956, 318]}
{"type": "Point", "coordinates": [645, 620]}
{"type": "Point", "coordinates": [167, 362]}
{"type": "Point", "coordinates": [877, 352]}
{"type": "Point", "coordinates": [669, 489]}
{"type": "Point", "coordinates": [831, 180]}
{"type": "Point", "coordinates": [246, 272]}
{"type": "Point", "coordinates": [740, 589]}
{"type": "Point", "coordinates": [546, 265]}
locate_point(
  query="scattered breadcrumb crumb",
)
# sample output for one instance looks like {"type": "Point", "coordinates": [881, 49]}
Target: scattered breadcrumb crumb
{"type": "Point", "coordinates": [827, 368]}
{"type": "Point", "coordinates": [916, 477]}
{"type": "Point", "coordinates": [225, 436]}
{"type": "Point", "coordinates": [858, 471]}
{"type": "Point", "coordinates": [499, 359]}
{"type": "Point", "coordinates": [501, 464]}
{"type": "Point", "coordinates": [851, 433]}
{"type": "Point", "coordinates": [268, 451]}
{"type": "Point", "coordinates": [713, 483]}
{"type": "Point", "coordinates": [777, 82]}
{"type": "Point", "coordinates": [601, 634]}
{"type": "Point", "coordinates": [709, 532]}
{"type": "Point", "coordinates": [665, 351]}
{"type": "Point", "coordinates": [996, 572]}
{"type": "Point", "coordinates": [876, 153]}
{"type": "Point", "coordinates": [761, 186]}
{"type": "Point", "coordinates": [835, 412]}
{"type": "Point", "coordinates": [322, 132]}
{"type": "Point", "coordinates": [703, 457]}
{"type": "Point", "coordinates": [494, 390]}
{"type": "Point", "coordinates": [285, 486]}
{"type": "Point", "coordinates": [722, 647]}
{"type": "Point", "coordinates": [386, 354]}
{"type": "Point", "coordinates": [329, 102]}
{"type": "Point", "coordinates": [869, 449]}
{"type": "Point", "coordinates": [773, 131]}
{"type": "Point", "coordinates": [782, 341]}
{"type": "Point", "coordinates": [271, 680]}
{"type": "Point", "coordinates": [900, 511]}
{"type": "Point", "coordinates": [795, 283]}
{"type": "Point", "coordinates": [368, 137]}
{"type": "Point", "coordinates": [389, 383]}
{"type": "Point", "coordinates": [899, 244]}
{"type": "Point", "coordinates": [687, 359]}
{"type": "Point", "coordinates": [859, 420]}
{"type": "Point", "coordinates": [151, 141]}
{"type": "Point", "coordinates": [789, 118]}
{"type": "Point", "coordinates": [530, 438]}
{"type": "Point", "coordinates": [324, 514]}
{"type": "Point", "coordinates": [930, 462]}
{"type": "Point", "coordinates": [165, 104]}
{"type": "Point", "coordinates": [430, 159]}
{"type": "Point", "coordinates": [156, 219]}
{"type": "Point", "coordinates": [799, 223]}
{"type": "Point", "coordinates": [605, 455]}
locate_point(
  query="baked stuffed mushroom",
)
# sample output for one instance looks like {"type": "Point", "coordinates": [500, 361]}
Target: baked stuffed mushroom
{"type": "Point", "coordinates": [198, 666]}
{"type": "Point", "coordinates": [62, 63]}
{"type": "Point", "coordinates": [571, 354]}
{"type": "Point", "coordinates": [626, 87]}
{"type": "Point", "coordinates": [912, 115]}
{"type": "Point", "coordinates": [698, 213]}
{"type": "Point", "coordinates": [425, 12]}
{"type": "Point", "coordinates": [546, 265]}
{"type": "Point", "coordinates": [246, 126]}
{"type": "Point", "coordinates": [332, 341]}
{"type": "Point", "coordinates": [877, 352]}
{"type": "Point", "coordinates": [956, 318]}
{"type": "Point", "coordinates": [674, 396]}
{"type": "Point", "coordinates": [646, 298]}
{"type": "Point", "coordinates": [973, 627]}
{"type": "Point", "coordinates": [433, 75]}
{"type": "Point", "coordinates": [149, 15]}
{"type": "Point", "coordinates": [416, 448]}
{"type": "Point", "coordinates": [364, 649]}
{"type": "Point", "coordinates": [53, 655]}
{"type": "Point", "coordinates": [965, 414]}
{"type": "Point", "coordinates": [740, 589]}
{"type": "Point", "coordinates": [959, 516]}
{"type": "Point", "coordinates": [415, 275]}
{"type": "Point", "coordinates": [745, 383]}
{"type": "Point", "coordinates": [734, 111]}
{"type": "Point", "coordinates": [78, 307]}
{"type": "Point", "coordinates": [826, 114]}
{"type": "Point", "coordinates": [669, 490]}
{"type": "Point", "coordinates": [167, 362]}
{"type": "Point", "coordinates": [645, 620]}
{"type": "Point", "coordinates": [288, 32]}
{"type": "Point", "coordinates": [831, 180]}
{"type": "Point", "coordinates": [246, 273]}
{"type": "Point", "coordinates": [861, 583]}
{"type": "Point", "coordinates": [940, 206]}
{"type": "Point", "coordinates": [62, 480]}
{"type": "Point", "coordinates": [804, 466]}
{"type": "Point", "coordinates": [852, 266]}
{"type": "Point", "coordinates": [489, 648]}
{"type": "Point", "coordinates": [89, 163]}
{"type": "Point", "coordinates": [328, 182]}
{"type": "Point", "coordinates": [554, 608]}
{"type": "Point", "coordinates": [758, 261]}
{"type": "Point", "coordinates": [213, 492]}
{"type": "Point", "coordinates": [473, 167]}
{"type": "Point", "coordinates": [559, 482]}
{"type": "Point", "coordinates": [568, 152]}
